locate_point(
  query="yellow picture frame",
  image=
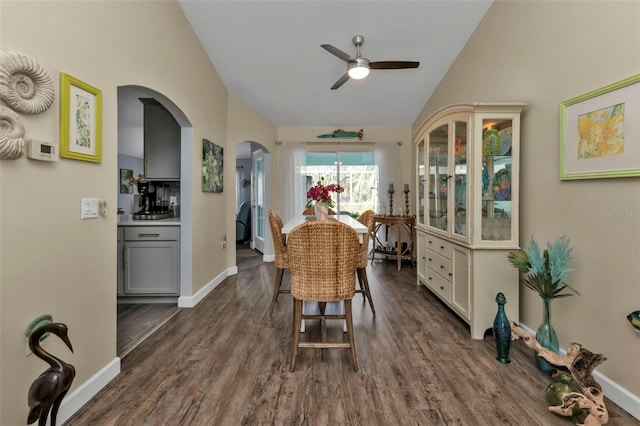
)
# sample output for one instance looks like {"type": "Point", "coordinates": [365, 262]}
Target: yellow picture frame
{"type": "Point", "coordinates": [80, 120]}
{"type": "Point", "coordinates": [599, 132]}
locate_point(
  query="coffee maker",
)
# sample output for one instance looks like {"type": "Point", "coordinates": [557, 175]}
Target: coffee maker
{"type": "Point", "coordinates": [146, 203]}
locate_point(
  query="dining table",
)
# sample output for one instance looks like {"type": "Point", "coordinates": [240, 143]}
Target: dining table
{"type": "Point", "coordinates": [344, 218]}
{"type": "Point", "coordinates": [360, 229]}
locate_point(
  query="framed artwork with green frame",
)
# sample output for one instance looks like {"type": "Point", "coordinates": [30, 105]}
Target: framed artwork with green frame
{"type": "Point", "coordinates": [600, 132]}
{"type": "Point", "coordinates": [80, 120]}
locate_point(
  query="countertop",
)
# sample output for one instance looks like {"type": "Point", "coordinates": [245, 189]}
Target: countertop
{"type": "Point", "coordinates": [127, 220]}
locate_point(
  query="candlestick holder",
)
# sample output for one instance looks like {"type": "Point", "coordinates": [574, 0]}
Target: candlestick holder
{"type": "Point", "coordinates": [406, 202]}
{"type": "Point", "coordinates": [390, 203]}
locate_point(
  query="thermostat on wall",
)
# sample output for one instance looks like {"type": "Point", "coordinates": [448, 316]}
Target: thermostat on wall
{"type": "Point", "coordinates": [41, 150]}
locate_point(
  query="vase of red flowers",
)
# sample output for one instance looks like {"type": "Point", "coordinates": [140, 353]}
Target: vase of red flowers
{"type": "Point", "coordinates": [320, 196]}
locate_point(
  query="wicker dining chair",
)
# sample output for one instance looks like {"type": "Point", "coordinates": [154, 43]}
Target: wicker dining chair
{"type": "Point", "coordinates": [366, 218]}
{"type": "Point", "coordinates": [281, 258]}
{"type": "Point", "coordinates": [311, 211]}
{"type": "Point", "coordinates": [323, 257]}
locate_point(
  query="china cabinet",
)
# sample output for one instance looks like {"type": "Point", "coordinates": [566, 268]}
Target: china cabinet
{"type": "Point", "coordinates": [467, 170]}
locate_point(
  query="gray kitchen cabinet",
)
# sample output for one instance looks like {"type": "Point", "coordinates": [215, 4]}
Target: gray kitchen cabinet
{"type": "Point", "coordinates": [161, 142]}
{"type": "Point", "coordinates": [151, 261]}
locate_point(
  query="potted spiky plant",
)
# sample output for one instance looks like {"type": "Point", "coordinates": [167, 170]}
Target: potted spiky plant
{"type": "Point", "coordinates": [546, 272]}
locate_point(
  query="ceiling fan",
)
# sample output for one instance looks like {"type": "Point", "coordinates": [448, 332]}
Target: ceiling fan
{"type": "Point", "coordinates": [359, 67]}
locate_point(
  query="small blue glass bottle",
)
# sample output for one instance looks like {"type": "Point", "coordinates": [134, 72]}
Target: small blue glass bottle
{"type": "Point", "coordinates": [502, 331]}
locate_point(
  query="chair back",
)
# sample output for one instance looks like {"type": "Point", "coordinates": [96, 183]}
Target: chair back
{"type": "Point", "coordinates": [279, 240]}
{"type": "Point", "coordinates": [311, 211]}
{"type": "Point", "coordinates": [366, 218]}
{"type": "Point", "coordinates": [323, 258]}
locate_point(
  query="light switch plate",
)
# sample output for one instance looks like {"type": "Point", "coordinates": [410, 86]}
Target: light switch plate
{"type": "Point", "coordinates": [89, 208]}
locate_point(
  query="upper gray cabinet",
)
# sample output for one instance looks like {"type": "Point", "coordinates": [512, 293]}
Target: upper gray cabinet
{"type": "Point", "coordinates": [161, 142]}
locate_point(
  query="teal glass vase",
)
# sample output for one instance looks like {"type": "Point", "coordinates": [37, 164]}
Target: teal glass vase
{"type": "Point", "coordinates": [502, 331]}
{"type": "Point", "coordinates": [547, 337]}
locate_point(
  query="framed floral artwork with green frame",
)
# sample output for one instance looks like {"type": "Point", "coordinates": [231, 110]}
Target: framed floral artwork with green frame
{"type": "Point", "coordinates": [80, 120]}
{"type": "Point", "coordinates": [600, 132]}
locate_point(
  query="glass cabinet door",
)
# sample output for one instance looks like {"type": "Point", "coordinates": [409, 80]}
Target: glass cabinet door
{"type": "Point", "coordinates": [460, 194]}
{"type": "Point", "coordinates": [496, 180]}
{"type": "Point", "coordinates": [420, 186]}
{"type": "Point", "coordinates": [438, 177]}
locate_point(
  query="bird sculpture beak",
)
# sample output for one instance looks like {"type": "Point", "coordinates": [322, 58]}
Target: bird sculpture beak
{"type": "Point", "coordinates": [66, 340]}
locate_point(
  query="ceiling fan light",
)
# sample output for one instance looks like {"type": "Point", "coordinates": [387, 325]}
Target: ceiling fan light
{"type": "Point", "coordinates": [359, 68]}
{"type": "Point", "coordinates": [358, 72]}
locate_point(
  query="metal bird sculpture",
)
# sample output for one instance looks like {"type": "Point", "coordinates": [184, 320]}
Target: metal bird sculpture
{"type": "Point", "coordinates": [48, 390]}
{"type": "Point", "coordinates": [634, 319]}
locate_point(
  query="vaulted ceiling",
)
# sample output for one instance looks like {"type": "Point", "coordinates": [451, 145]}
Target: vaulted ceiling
{"type": "Point", "coordinates": [268, 55]}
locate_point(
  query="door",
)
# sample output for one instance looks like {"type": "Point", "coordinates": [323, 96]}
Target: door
{"type": "Point", "coordinates": [258, 198]}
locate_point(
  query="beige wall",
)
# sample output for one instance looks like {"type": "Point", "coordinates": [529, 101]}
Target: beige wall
{"type": "Point", "coordinates": [52, 261]}
{"type": "Point", "coordinates": [543, 53]}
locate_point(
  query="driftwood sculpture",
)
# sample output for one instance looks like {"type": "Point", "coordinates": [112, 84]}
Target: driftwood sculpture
{"type": "Point", "coordinates": [580, 363]}
{"type": "Point", "coordinates": [48, 390]}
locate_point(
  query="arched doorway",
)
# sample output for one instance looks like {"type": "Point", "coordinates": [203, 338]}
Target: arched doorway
{"type": "Point", "coordinates": [147, 317]}
{"type": "Point", "coordinates": [253, 184]}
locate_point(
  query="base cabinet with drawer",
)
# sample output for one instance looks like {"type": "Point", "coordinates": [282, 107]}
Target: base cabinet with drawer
{"type": "Point", "coordinates": [447, 274]}
{"type": "Point", "coordinates": [468, 280]}
{"type": "Point", "coordinates": [151, 261]}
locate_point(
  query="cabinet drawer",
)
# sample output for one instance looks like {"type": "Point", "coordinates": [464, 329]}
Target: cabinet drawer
{"type": "Point", "coordinates": [439, 264]}
{"type": "Point", "coordinates": [151, 233]}
{"type": "Point", "coordinates": [439, 246]}
{"type": "Point", "coordinates": [439, 285]}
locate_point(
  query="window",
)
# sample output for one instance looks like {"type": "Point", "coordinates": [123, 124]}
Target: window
{"type": "Point", "coordinates": [356, 172]}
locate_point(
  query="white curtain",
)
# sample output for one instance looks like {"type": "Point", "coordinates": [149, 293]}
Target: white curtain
{"type": "Point", "coordinates": [292, 184]}
{"type": "Point", "coordinates": [388, 161]}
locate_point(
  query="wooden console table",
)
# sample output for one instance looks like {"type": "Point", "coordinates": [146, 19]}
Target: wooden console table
{"type": "Point", "coordinates": [403, 225]}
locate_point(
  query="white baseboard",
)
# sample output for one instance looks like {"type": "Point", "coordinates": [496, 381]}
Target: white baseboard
{"type": "Point", "coordinates": [191, 301]}
{"type": "Point", "coordinates": [616, 393]}
{"type": "Point", "coordinates": [75, 400]}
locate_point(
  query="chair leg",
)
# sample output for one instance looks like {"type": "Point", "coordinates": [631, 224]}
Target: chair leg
{"type": "Point", "coordinates": [352, 345]}
{"type": "Point", "coordinates": [297, 320]}
{"type": "Point", "coordinates": [364, 283]}
{"type": "Point", "coordinates": [362, 289]}
{"type": "Point", "coordinates": [276, 289]}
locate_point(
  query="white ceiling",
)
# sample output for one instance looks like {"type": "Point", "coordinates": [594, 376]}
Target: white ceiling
{"type": "Point", "coordinates": [268, 55]}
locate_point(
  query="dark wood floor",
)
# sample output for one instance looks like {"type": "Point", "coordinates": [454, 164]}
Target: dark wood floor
{"type": "Point", "coordinates": [226, 362]}
{"type": "Point", "coordinates": [138, 321]}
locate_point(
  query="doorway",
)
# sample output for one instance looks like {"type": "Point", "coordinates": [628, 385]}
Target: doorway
{"type": "Point", "coordinates": [137, 318]}
{"type": "Point", "coordinates": [253, 177]}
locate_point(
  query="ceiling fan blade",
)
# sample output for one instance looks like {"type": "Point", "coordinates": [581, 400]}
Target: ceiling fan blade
{"type": "Point", "coordinates": [393, 65]}
{"type": "Point", "coordinates": [339, 53]}
{"type": "Point", "coordinates": [342, 80]}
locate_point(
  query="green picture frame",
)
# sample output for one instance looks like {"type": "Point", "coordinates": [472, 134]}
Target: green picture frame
{"type": "Point", "coordinates": [80, 120]}
{"type": "Point", "coordinates": [600, 132]}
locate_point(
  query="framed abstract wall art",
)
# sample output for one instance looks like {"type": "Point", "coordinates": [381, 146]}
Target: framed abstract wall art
{"type": "Point", "coordinates": [212, 171]}
{"type": "Point", "coordinates": [80, 120]}
{"type": "Point", "coordinates": [126, 185]}
{"type": "Point", "coordinates": [600, 132]}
